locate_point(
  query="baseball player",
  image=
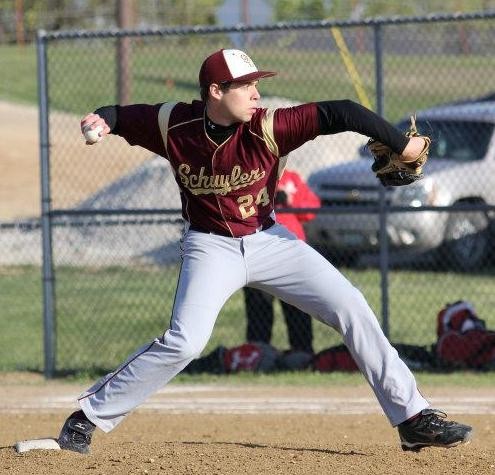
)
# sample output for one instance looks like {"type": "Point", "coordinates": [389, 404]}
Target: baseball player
{"type": "Point", "coordinates": [227, 155]}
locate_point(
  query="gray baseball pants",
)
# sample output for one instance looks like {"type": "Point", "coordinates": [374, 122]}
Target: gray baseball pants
{"type": "Point", "coordinates": [213, 268]}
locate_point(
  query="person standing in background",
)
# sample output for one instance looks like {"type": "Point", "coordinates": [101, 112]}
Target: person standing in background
{"type": "Point", "coordinates": [292, 192]}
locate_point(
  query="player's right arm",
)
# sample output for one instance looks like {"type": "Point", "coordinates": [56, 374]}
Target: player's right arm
{"type": "Point", "coordinates": [137, 124]}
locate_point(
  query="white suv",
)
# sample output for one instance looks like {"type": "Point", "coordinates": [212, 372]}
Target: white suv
{"type": "Point", "coordinates": [460, 170]}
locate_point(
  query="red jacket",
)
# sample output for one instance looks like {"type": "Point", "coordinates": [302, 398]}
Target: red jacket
{"type": "Point", "coordinates": [298, 195]}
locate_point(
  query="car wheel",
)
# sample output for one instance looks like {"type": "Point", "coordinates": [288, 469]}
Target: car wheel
{"type": "Point", "coordinates": [467, 241]}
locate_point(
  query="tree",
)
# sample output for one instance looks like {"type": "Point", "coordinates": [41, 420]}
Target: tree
{"type": "Point", "coordinates": [178, 12]}
{"type": "Point", "coordinates": [286, 10]}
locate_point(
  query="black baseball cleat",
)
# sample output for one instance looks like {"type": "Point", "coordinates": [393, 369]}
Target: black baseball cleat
{"type": "Point", "coordinates": [430, 429]}
{"type": "Point", "coordinates": [76, 433]}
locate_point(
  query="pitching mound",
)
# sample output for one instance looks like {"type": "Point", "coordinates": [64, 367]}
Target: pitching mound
{"type": "Point", "coordinates": [240, 430]}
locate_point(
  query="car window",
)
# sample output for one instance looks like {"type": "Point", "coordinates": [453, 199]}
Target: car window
{"type": "Point", "coordinates": [462, 141]}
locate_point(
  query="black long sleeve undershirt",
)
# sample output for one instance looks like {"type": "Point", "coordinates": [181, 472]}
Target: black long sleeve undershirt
{"type": "Point", "coordinates": [109, 115]}
{"type": "Point", "coordinates": [346, 115]}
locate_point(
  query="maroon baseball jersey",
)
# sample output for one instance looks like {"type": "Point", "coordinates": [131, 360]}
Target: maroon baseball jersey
{"type": "Point", "coordinates": [228, 188]}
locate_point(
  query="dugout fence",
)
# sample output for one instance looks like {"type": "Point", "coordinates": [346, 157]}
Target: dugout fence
{"type": "Point", "coordinates": [111, 222]}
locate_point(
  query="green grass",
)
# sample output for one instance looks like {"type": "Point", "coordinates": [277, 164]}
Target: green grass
{"type": "Point", "coordinates": [82, 75]}
{"type": "Point", "coordinates": [474, 379]}
{"type": "Point", "coordinates": [103, 314]}
{"type": "Point", "coordinates": [21, 326]}
{"type": "Point", "coordinates": [18, 80]}
{"type": "Point", "coordinates": [298, 378]}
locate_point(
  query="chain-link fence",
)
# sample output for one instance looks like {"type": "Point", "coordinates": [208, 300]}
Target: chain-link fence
{"type": "Point", "coordinates": [111, 213]}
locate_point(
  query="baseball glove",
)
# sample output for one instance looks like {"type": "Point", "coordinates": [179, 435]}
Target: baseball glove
{"type": "Point", "coordinates": [390, 167]}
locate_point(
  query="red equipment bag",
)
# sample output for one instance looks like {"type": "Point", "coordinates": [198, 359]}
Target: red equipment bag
{"type": "Point", "coordinates": [463, 340]}
{"type": "Point", "coordinates": [336, 358]}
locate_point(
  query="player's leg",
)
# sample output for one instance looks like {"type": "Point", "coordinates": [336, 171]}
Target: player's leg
{"type": "Point", "coordinates": [259, 314]}
{"type": "Point", "coordinates": [294, 272]}
{"type": "Point", "coordinates": [298, 274]}
{"type": "Point", "coordinates": [212, 270]}
{"type": "Point", "coordinates": [299, 328]}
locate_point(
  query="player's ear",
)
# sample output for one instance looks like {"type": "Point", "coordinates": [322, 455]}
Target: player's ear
{"type": "Point", "coordinates": [215, 91]}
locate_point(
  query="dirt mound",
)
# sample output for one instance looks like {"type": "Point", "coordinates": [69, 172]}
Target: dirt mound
{"type": "Point", "coordinates": [243, 438]}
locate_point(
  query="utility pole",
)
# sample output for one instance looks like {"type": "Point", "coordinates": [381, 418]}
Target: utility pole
{"type": "Point", "coordinates": [19, 22]}
{"type": "Point", "coordinates": [124, 81]}
{"type": "Point", "coordinates": [245, 19]}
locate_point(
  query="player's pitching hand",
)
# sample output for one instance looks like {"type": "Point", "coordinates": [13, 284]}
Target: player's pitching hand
{"type": "Point", "coordinates": [93, 128]}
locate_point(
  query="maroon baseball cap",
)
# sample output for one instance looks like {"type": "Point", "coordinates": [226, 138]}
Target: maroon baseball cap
{"type": "Point", "coordinates": [229, 65]}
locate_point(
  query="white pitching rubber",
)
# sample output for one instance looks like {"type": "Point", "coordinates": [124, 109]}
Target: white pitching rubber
{"type": "Point", "coordinates": [36, 444]}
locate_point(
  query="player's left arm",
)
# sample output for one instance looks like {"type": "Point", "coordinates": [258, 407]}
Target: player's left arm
{"type": "Point", "coordinates": [346, 115]}
{"type": "Point", "coordinates": [293, 127]}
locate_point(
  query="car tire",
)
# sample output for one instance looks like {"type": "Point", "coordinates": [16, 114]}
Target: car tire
{"type": "Point", "coordinates": [467, 244]}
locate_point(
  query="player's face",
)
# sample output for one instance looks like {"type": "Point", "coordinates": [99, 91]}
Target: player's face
{"type": "Point", "coordinates": [240, 101]}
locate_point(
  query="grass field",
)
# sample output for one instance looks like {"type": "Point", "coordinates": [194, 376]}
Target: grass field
{"type": "Point", "coordinates": [166, 69]}
{"type": "Point", "coordinates": [104, 314]}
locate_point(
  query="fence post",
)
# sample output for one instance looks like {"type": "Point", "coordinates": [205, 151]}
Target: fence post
{"type": "Point", "coordinates": [383, 236]}
{"type": "Point", "coordinates": [46, 228]}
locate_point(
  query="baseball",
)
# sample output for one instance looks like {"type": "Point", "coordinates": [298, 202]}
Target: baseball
{"type": "Point", "coordinates": [92, 135]}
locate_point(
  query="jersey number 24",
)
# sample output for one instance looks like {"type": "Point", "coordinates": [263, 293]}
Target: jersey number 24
{"type": "Point", "coordinates": [247, 203]}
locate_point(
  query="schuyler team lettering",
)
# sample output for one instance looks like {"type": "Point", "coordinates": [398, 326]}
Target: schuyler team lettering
{"type": "Point", "coordinates": [203, 184]}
